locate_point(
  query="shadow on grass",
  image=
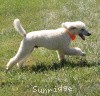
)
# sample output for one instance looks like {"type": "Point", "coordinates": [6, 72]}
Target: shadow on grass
{"type": "Point", "coordinates": [41, 67]}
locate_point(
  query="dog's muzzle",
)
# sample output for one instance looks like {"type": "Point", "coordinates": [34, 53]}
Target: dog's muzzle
{"type": "Point", "coordinates": [84, 32]}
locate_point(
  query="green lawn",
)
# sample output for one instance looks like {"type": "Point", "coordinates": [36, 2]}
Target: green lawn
{"type": "Point", "coordinates": [43, 75]}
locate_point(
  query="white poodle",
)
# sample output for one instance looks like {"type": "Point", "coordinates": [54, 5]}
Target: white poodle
{"type": "Point", "coordinates": [58, 39]}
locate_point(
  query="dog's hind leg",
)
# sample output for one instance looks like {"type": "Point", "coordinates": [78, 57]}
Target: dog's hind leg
{"type": "Point", "coordinates": [20, 64]}
{"type": "Point", "coordinates": [24, 50]}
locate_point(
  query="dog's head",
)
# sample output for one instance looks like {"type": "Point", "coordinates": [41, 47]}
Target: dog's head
{"type": "Point", "coordinates": [76, 28]}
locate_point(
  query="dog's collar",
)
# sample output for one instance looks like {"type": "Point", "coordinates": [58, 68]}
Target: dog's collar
{"type": "Point", "coordinates": [73, 37]}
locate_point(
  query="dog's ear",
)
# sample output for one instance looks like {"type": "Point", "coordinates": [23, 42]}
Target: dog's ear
{"type": "Point", "coordinates": [68, 25]}
{"type": "Point", "coordinates": [64, 25]}
{"type": "Point", "coordinates": [72, 27]}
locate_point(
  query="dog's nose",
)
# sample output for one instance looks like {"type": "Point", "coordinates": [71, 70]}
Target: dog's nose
{"type": "Point", "coordinates": [89, 34]}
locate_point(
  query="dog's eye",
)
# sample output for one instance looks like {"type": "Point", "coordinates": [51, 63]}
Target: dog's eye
{"type": "Point", "coordinates": [82, 29]}
{"type": "Point", "coordinates": [73, 28]}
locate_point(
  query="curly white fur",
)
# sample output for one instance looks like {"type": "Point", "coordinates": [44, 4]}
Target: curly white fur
{"type": "Point", "coordinates": [57, 39]}
{"type": "Point", "coordinates": [19, 28]}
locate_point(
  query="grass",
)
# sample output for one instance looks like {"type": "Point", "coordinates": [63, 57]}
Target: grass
{"type": "Point", "coordinates": [42, 71]}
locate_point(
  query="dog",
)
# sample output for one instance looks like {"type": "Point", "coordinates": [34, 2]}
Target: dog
{"type": "Point", "coordinates": [57, 39]}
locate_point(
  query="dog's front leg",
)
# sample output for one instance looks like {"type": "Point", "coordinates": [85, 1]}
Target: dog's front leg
{"type": "Point", "coordinates": [74, 51]}
{"type": "Point", "coordinates": [61, 56]}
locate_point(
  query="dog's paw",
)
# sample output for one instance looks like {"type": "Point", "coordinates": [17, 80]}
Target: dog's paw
{"type": "Point", "coordinates": [83, 54]}
{"type": "Point", "coordinates": [6, 70]}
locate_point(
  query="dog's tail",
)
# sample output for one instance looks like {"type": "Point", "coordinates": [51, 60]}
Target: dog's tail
{"type": "Point", "coordinates": [19, 28]}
